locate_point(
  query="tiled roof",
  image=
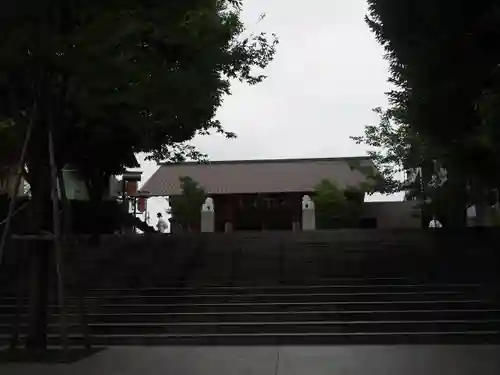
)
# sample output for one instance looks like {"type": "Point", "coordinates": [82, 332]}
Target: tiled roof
{"type": "Point", "coordinates": [258, 176]}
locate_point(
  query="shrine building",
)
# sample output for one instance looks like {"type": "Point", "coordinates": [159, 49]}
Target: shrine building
{"type": "Point", "coordinates": [267, 194]}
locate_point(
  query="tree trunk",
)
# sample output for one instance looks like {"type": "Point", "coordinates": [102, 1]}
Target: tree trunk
{"type": "Point", "coordinates": [38, 295]}
{"type": "Point", "coordinates": [39, 256]}
{"type": "Point", "coordinates": [67, 224]}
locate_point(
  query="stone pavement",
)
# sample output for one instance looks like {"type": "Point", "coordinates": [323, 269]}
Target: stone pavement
{"type": "Point", "coordinates": [284, 360]}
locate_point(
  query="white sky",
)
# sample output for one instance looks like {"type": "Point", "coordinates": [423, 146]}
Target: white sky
{"type": "Point", "coordinates": [327, 76]}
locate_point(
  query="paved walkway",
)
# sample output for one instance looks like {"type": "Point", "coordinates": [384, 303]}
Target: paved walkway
{"type": "Point", "coordinates": [285, 360]}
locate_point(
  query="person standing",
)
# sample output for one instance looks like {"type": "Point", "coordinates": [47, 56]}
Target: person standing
{"type": "Point", "coordinates": [435, 223]}
{"type": "Point", "coordinates": [162, 224]}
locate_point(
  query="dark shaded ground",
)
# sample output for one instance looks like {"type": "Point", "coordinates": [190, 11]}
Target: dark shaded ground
{"type": "Point", "coordinates": [272, 360]}
{"type": "Point", "coordinates": [54, 356]}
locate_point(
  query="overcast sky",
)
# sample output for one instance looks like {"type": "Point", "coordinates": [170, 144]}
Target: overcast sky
{"type": "Point", "coordinates": [327, 76]}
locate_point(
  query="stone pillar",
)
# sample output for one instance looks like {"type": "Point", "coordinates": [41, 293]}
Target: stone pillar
{"type": "Point", "coordinates": [229, 202]}
{"type": "Point", "coordinates": [208, 216]}
{"type": "Point", "coordinates": [308, 214]}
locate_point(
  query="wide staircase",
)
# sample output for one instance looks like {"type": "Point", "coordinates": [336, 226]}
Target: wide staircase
{"type": "Point", "coordinates": [343, 287]}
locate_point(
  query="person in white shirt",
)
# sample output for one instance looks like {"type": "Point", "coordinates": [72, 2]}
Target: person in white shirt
{"type": "Point", "coordinates": [434, 223]}
{"type": "Point", "coordinates": [162, 224]}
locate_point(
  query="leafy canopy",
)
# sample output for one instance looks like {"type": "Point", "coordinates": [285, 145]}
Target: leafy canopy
{"type": "Point", "coordinates": [334, 206]}
{"type": "Point", "coordinates": [186, 208]}
{"type": "Point", "coordinates": [119, 77]}
{"type": "Point", "coordinates": [444, 63]}
{"type": "Point", "coordinates": [397, 150]}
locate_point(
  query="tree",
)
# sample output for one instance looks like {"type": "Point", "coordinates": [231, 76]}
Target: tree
{"type": "Point", "coordinates": [186, 208]}
{"type": "Point", "coordinates": [334, 206]}
{"type": "Point", "coordinates": [427, 44]}
{"type": "Point", "coordinates": [396, 149]}
{"type": "Point", "coordinates": [406, 160]}
{"type": "Point", "coordinates": [110, 79]}
{"type": "Point", "coordinates": [354, 198]}
{"type": "Point", "coordinates": [124, 77]}
{"type": "Point", "coordinates": [445, 68]}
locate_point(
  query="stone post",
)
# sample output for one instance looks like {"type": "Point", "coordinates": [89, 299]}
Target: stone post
{"type": "Point", "coordinates": [228, 227]}
{"type": "Point", "coordinates": [308, 214]}
{"type": "Point", "coordinates": [208, 216]}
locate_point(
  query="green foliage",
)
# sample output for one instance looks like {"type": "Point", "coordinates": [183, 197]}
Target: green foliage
{"type": "Point", "coordinates": [119, 77]}
{"type": "Point", "coordinates": [186, 208]}
{"type": "Point", "coordinates": [446, 71]}
{"type": "Point", "coordinates": [375, 180]}
{"type": "Point", "coordinates": [336, 207]}
{"type": "Point", "coordinates": [354, 198]}
{"type": "Point", "coordinates": [390, 146]}
{"type": "Point", "coordinates": [397, 150]}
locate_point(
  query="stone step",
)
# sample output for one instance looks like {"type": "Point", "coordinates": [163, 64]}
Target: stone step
{"type": "Point", "coordinates": [345, 296]}
{"type": "Point", "coordinates": [338, 287]}
{"type": "Point", "coordinates": [328, 338]}
{"type": "Point", "coordinates": [401, 305]}
{"type": "Point", "coordinates": [276, 316]}
{"type": "Point", "coordinates": [288, 327]}
{"type": "Point", "coordinates": [345, 288]}
{"type": "Point", "coordinates": [259, 316]}
{"type": "Point", "coordinates": [278, 294]}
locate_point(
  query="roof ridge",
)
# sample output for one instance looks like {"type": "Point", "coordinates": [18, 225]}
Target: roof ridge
{"type": "Point", "coordinates": [242, 176]}
{"type": "Point", "coordinates": [263, 161]}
